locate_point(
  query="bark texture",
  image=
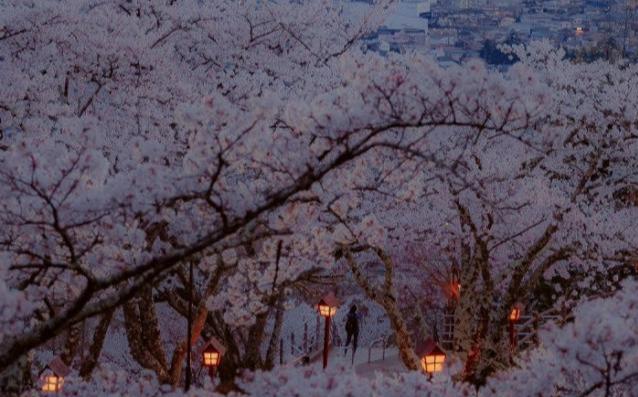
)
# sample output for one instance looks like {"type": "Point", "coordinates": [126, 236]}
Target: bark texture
{"type": "Point", "coordinates": [99, 335]}
{"type": "Point", "coordinates": [386, 297]}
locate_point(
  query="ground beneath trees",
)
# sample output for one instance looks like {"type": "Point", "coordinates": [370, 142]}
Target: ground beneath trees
{"type": "Point", "coordinates": [388, 365]}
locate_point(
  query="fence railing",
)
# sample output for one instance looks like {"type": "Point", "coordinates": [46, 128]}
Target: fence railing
{"type": "Point", "coordinates": [304, 349]}
{"type": "Point", "coordinates": [526, 328]}
{"type": "Point", "coordinates": [384, 342]}
{"type": "Point", "coordinates": [294, 350]}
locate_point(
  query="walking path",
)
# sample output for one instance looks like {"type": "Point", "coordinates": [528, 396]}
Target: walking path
{"type": "Point", "coordinates": [391, 364]}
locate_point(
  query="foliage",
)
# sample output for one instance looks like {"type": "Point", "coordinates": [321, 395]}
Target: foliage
{"type": "Point", "coordinates": [254, 140]}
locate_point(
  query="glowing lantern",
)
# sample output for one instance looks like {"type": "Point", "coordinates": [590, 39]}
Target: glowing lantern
{"type": "Point", "coordinates": [455, 284]}
{"type": "Point", "coordinates": [52, 383]}
{"type": "Point", "coordinates": [327, 311]}
{"type": "Point", "coordinates": [54, 374]}
{"type": "Point", "coordinates": [328, 306]}
{"type": "Point", "coordinates": [211, 355]}
{"type": "Point", "coordinates": [432, 356]}
{"type": "Point", "coordinates": [515, 314]}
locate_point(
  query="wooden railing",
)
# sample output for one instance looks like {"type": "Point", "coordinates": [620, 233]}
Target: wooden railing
{"type": "Point", "coordinates": [306, 349]}
{"type": "Point", "coordinates": [384, 342]}
{"type": "Point", "coordinates": [526, 328]}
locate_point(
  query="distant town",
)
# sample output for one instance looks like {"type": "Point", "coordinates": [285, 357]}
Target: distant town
{"type": "Point", "coordinates": [455, 30]}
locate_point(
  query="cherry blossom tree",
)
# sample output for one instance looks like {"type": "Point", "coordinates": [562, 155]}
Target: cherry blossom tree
{"type": "Point", "coordinates": [254, 140]}
{"type": "Point", "coordinates": [506, 209]}
{"type": "Point", "coordinates": [592, 355]}
{"type": "Point", "coordinates": [79, 217]}
{"type": "Point", "coordinates": [112, 69]}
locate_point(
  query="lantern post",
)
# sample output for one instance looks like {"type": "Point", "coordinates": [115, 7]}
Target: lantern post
{"type": "Point", "coordinates": [432, 357]}
{"type": "Point", "coordinates": [211, 356]}
{"type": "Point", "coordinates": [327, 307]}
{"type": "Point", "coordinates": [514, 316]}
{"type": "Point", "coordinates": [54, 374]}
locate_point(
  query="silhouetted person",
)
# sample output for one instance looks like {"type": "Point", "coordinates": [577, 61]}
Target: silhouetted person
{"type": "Point", "coordinates": [352, 330]}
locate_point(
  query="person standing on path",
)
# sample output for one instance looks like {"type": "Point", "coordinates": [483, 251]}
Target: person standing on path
{"type": "Point", "coordinates": [352, 330]}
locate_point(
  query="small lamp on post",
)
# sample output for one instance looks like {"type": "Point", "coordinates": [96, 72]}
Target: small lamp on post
{"type": "Point", "coordinates": [432, 357]}
{"type": "Point", "coordinates": [327, 307]}
{"type": "Point", "coordinates": [212, 355]}
{"type": "Point", "coordinates": [53, 376]}
{"type": "Point", "coordinates": [514, 317]}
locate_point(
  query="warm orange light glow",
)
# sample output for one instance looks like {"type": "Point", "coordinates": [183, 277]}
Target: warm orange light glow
{"type": "Point", "coordinates": [327, 311]}
{"type": "Point", "coordinates": [515, 315]}
{"type": "Point", "coordinates": [433, 363]}
{"type": "Point", "coordinates": [579, 30]}
{"type": "Point", "coordinates": [52, 384]}
{"type": "Point", "coordinates": [211, 359]}
{"type": "Point", "coordinates": [456, 290]}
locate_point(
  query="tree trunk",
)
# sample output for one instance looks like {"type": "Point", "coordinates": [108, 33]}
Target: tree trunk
{"type": "Point", "coordinates": [199, 321]}
{"type": "Point", "coordinates": [275, 337]}
{"type": "Point", "coordinates": [177, 362]}
{"type": "Point", "coordinates": [387, 299]}
{"type": "Point", "coordinates": [138, 347]}
{"type": "Point", "coordinates": [90, 362]}
{"type": "Point", "coordinates": [150, 326]}
{"type": "Point", "coordinates": [494, 352]}
{"type": "Point", "coordinates": [256, 333]}
{"type": "Point", "coordinates": [71, 344]}
{"type": "Point", "coordinates": [403, 338]}
{"type": "Point", "coordinates": [465, 312]}
{"type": "Point", "coordinates": [16, 378]}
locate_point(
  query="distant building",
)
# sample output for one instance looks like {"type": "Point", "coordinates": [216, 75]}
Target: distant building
{"type": "Point", "coordinates": [453, 27]}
